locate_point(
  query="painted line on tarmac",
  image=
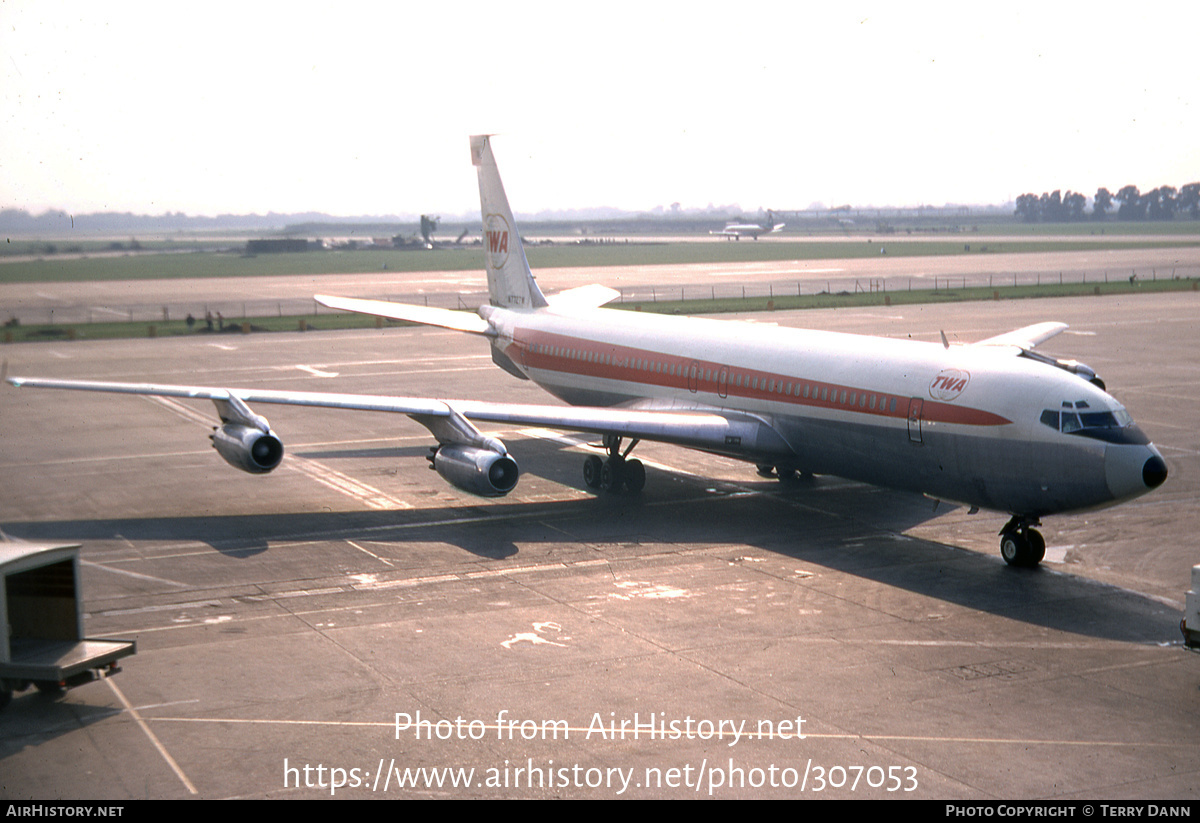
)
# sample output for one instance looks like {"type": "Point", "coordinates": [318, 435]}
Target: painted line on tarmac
{"type": "Point", "coordinates": [364, 493]}
{"type": "Point", "coordinates": [162, 750]}
{"type": "Point", "coordinates": [136, 575]}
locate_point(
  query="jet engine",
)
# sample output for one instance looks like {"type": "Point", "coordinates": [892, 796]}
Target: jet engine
{"type": "Point", "coordinates": [247, 447]}
{"type": "Point", "coordinates": [245, 440]}
{"type": "Point", "coordinates": [1072, 366]}
{"type": "Point", "coordinates": [479, 471]}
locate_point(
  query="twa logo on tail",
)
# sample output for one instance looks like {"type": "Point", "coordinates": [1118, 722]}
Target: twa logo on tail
{"type": "Point", "coordinates": [495, 240]}
{"type": "Point", "coordinates": [949, 384]}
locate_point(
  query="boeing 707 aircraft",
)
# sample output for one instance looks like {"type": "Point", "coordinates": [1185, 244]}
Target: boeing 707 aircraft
{"type": "Point", "coordinates": [992, 425]}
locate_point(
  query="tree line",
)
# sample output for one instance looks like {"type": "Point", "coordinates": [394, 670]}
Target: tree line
{"type": "Point", "coordinates": [1163, 203]}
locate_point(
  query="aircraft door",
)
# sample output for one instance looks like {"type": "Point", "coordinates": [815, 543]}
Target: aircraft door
{"type": "Point", "coordinates": [915, 405]}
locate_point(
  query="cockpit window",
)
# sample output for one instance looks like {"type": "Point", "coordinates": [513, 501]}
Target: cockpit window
{"type": "Point", "coordinates": [1119, 419]}
{"type": "Point", "coordinates": [1113, 426]}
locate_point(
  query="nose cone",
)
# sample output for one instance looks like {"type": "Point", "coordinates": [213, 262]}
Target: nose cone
{"type": "Point", "coordinates": [1132, 470]}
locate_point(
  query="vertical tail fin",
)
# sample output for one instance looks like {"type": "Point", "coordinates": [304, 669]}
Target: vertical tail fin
{"type": "Point", "coordinates": [510, 283]}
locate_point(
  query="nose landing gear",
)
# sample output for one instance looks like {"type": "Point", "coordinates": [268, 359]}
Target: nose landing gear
{"type": "Point", "coordinates": [1022, 545]}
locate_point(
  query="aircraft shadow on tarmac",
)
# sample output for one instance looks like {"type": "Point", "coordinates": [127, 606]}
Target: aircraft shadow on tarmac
{"type": "Point", "coordinates": [846, 527]}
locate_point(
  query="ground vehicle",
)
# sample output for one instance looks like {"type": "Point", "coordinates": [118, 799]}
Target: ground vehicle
{"type": "Point", "coordinates": [41, 623]}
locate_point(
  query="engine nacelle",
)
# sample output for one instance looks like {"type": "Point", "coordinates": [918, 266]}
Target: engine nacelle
{"type": "Point", "coordinates": [1073, 366]}
{"type": "Point", "coordinates": [479, 471]}
{"type": "Point", "coordinates": [248, 448]}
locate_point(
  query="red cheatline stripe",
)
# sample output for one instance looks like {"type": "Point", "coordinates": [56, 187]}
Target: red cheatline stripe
{"type": "Point", "coordinates": [588, 358]}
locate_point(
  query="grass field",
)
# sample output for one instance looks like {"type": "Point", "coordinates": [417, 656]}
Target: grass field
{"type": "Point", "coordinates": [150, 265]}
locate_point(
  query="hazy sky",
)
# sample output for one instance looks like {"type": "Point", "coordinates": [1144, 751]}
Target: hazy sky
{"type": "Point", "coordinates": [365, 108]}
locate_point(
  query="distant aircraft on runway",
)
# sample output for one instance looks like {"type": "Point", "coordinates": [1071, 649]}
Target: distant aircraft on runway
{"type": "Point", "coordinates": [736, 230]}
{"type": "Point", "coordinates": [991, 425]}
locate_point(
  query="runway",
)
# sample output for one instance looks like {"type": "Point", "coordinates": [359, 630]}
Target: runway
{"type": "Point", "coordinates": [718, 635]}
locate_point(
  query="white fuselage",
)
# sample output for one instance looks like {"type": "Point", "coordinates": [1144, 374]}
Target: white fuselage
{"type": "Point", "coordinates": [959, 423]}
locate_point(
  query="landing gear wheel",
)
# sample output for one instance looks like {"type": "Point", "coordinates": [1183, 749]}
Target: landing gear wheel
{"type": "Point", "coordinates": [1022, 546]}
{"type": "Point", "coordinates": [1014, 548]}
{"type": "Point", "coordinates": [765, 470]}
{"type": "Point", "coordinates": [48, 687]}
{"type": "Point", "coordinates": [592, 468]}
{"type": "Point", "coordinates": [611, 475]}
{"type": "Point", "coordinates": [616, 471]}
{"type": "Point", "coordinates": [635, 475]}
{"type": "Point", "coordinates": [5, 697]}
{"type": "Point", "coordinates": [1037, 546]}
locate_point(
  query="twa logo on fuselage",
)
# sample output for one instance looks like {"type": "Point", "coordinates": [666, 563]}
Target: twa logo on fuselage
{"type": "Point", "coordinates": [949, 384]}
{"type": "Point", "coordinates": [495, 240]}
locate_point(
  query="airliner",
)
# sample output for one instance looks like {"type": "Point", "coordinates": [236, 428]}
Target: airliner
{"type": "Point", "coordinates": [737, 230]}
{"type": "Point", "coordinates": [991, 425]}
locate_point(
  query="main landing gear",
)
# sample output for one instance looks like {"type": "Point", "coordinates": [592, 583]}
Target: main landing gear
{"type": "Point", "coordinates": [615, 472]}
{"type": "Point", "coordinates": [1020, 544]}
{"type": "Point", "coordinates": [786, 474]}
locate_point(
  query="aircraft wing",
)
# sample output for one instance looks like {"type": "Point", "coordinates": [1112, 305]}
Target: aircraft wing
{"type": "Point", "coordinates": [696, 428]}
{"type": "Point", "coordinates": [1027, 337]}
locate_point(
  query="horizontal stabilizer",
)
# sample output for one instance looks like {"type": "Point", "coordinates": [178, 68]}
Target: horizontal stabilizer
{"type": "Point", "coordinates": [426, 315]}
{"type": "Point", "coordinates": [584, 297]}
{"type": "Point", "coordinates": [1027, 337]}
